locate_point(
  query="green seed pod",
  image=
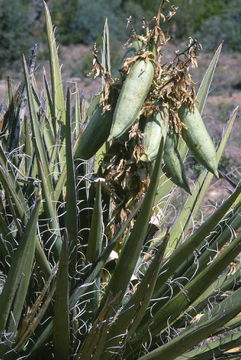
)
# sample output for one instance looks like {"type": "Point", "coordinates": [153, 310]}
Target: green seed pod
{"type": "Point", "coordinates": [132, 96]}
{"type": "Point", "coordinates": [173, 164]}
{"type": "Point", "coordinates": [95, 134]}
{"type": "Point", "coordinates": [93, 105]}
{"type": "Point", "coordinates": [198, 140]}
{"type": "Point", "coordinates": [132, 49]}
{"type": "Point", "coordinates": [156, 127]}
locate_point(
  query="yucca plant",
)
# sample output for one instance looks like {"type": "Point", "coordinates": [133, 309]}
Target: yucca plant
{"type": "Point", "coordinates": [89, 269]}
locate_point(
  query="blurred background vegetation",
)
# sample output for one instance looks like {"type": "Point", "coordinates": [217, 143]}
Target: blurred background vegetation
{"type": "Point", "coordinates": [81, 22]}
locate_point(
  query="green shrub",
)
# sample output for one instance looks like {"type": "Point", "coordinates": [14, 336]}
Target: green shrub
{"type": "Point", "coordinates": [83, 21]}
{"type": "Point", "coordinates": [192, 14]}
{"type": "Point", "coordinates": [225, 27]}
{"type": "Point", "coordinates": [64, 15]}
{"type": "Point", "coordinates": [15, 33]}
{"type": "Point", "coordinates": [213, 21]}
